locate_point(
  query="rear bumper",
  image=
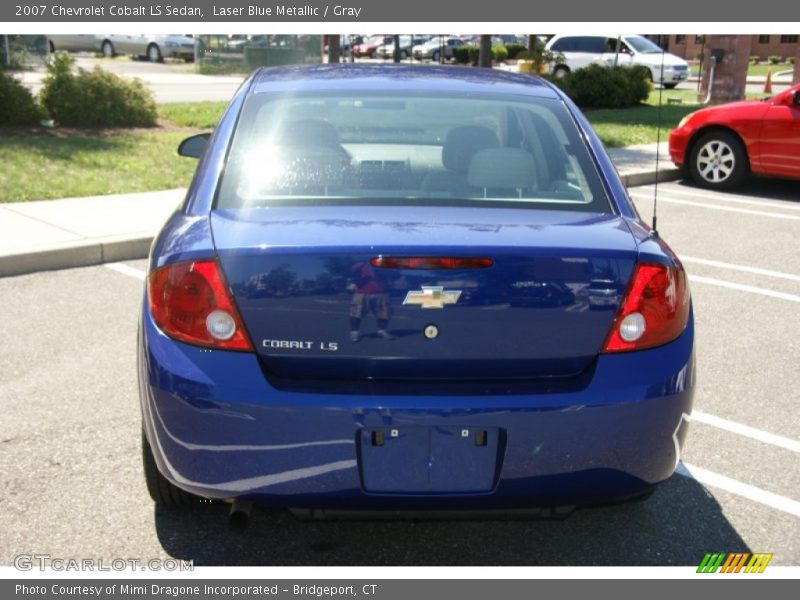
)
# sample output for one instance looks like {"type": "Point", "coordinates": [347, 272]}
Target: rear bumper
{"type": "Point", "coordinates": [674, 76]}
{"type": "Point", "coordinates": [219, 429]}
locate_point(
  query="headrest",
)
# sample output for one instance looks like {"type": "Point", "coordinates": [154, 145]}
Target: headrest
{"type": "Point", "coordinates": [462, 143]}
{"type": "Point", "coordinates": [504, 168]}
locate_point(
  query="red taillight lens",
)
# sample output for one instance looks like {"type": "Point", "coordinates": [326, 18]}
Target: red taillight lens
{"type": "Point", "coordinates": [654, 311]}
{"type": "Point", "coordinates": [429, 262]}
{"type": "Point", "coordinates": [190, 302]}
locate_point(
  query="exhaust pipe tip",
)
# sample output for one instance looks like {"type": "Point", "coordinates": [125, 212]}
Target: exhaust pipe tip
{"type": "Point", "coordinates": [239, 516]}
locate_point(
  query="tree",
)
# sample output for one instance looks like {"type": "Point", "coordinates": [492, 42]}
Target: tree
{"type": "Point", "coordinates": [731, 55]}
{"type": "Point", "coordinates": [334, 49]}
{"type": "Point", "coordinates": [485, 52]}
{"type": "Point", "coordinates": [796, 78]}
{"type": "Point", "coordinates": [396, 55]}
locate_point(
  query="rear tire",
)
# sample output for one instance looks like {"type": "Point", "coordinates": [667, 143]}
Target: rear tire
{"type": "Point", "coordinates": [670, 86]}
{"type": "Point", "coordinates": [107, 49]}
{"type": "Point", "coordinates": [154, 53]}
{"type": "Point", "coordinates": [560, 71]}
{"type": "Point", "coordinates": [435, 56]}
{"type": "Point", "coordinates": [161, 490]}
{"type": "Point", "coordinates": [718, 160]}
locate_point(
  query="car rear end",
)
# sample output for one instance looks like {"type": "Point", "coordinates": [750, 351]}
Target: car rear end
{"type": "Point", "coordinates": [357, 323]}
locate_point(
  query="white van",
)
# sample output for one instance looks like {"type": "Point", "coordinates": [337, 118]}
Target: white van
{"type": "Point", "coordinates": [583, 50]}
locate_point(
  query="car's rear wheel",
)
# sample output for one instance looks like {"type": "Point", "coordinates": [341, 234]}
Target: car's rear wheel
{"type": "Point", "coordinates": [560, 71]}
{"type": "Point", "coordinates": [161, 490]}
{"type": "Point", "coordinates": [154, 53]}
{"type": "Point", "coordinates": [435, 56]}
{"type": "Point", "coordinates": [403, 54]}
{"type": "Point", "coordinates": [670, 86]}
{"type": "Point", "coordinates": [719, 160]}
{"type": "Point", "coordinates": [108, 49]}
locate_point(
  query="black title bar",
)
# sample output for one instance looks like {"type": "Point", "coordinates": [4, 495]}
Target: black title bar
{"type": "Point", "coordinates": [354, 11]}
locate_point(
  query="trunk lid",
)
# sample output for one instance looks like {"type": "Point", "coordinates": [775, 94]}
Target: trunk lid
{"type": "Point", "coordinates": [300, 275]}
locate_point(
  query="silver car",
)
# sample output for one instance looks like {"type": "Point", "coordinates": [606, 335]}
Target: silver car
{"type": "Point", "coordinates": [155, 47]}
{"type": "Point", "coordinates": [81, 43]}
{"type": "Point", "coordinates": [434, 49]}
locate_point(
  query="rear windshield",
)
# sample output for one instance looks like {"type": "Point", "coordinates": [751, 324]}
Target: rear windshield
{"type": "Point", "coordinates": [376, 148]}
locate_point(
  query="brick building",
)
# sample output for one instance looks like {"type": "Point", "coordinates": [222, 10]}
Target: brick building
{"type": "Point", "coordinates": [691, 46]}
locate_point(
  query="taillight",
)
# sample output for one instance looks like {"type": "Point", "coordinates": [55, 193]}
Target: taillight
{"type": "Point", "coordinates": [190, 302]}
{"type": "Point", "coordinates": [655, 309]}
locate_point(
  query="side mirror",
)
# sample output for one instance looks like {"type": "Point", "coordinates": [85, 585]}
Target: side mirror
{"type": "Point", "coordinates": [194, 146]}
{"type": "Point", "coordinates": [796, 98]}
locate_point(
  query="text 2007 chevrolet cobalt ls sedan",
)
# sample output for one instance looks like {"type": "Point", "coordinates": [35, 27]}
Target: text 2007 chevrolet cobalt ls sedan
{"type": "Point", "coordinates": [414, 289]}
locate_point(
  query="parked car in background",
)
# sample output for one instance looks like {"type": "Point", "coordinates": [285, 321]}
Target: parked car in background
{"type": "Point", "coordinates": [236, 43]}
{"type": "Point", "coordinates": [582, 50]}
{"type": "Point", "coordinates": [407, 43]}
{"type": "Point", "coordinates": [437, 47]}
{"type": "Point", "coordinates": [375, 295]}
{"type": "Point", "coordinates": [154, 47]}
{"type": "Point", "coordinates": [81, 43]}
{"type": "Point", "coordinates": [721, 145]}
{"type": "Point", "coordinates": [369, 47]}
{"type": "Point", "coordinates": [346, 43]}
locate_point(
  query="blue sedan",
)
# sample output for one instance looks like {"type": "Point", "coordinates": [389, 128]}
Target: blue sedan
{"type": "Point", "coordinates": [410, 288]}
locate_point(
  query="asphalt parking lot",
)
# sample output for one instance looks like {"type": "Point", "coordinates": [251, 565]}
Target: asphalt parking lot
{"type": "Point", "coordinates": [71, 484]}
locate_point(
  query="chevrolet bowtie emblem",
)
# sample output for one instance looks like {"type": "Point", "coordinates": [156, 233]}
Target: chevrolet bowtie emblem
{"type": "Point", "coordinates": [432, 297]}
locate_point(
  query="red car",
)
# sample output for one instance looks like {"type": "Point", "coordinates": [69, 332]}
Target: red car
{"type": "Point", "coordinates": [721, 145]}
{"type": "Point", "coordinates": [368, 48]}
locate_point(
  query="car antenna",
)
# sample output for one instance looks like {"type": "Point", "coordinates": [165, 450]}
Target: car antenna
{"type": "Point", "coordinates": [658, 147]}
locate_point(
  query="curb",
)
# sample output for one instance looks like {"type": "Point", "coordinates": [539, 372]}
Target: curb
{"type": "Point", "coordinates": [104, 250]}
{"type": "Point", "coordinates": [649, 177]}
{"type": "Point", "coordinates": [76, 254]}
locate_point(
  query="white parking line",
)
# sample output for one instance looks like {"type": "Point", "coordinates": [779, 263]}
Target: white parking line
{"type": "Point", "coordinates": [746, 431]}
{"type": "Point", "coordinates": [739, 488]}
{"type": "Point", "coordinates": [745, 288]}
{"type": "Point", "coordinates": [743, 268]}
{"type": "Point", "coordinates": [720, 197]}
{"type": "Point", "coordinates": [746, 211]}
{"type": "Point", "coordinates": [125, 270]}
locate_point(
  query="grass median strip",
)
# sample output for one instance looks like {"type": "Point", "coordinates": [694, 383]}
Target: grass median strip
{"type": "Point", "coordinates": [61, 163]}
{"type": "Point", "coordinates": [42, 167]}
{"type": "Point", "coordinates": [203, 115]}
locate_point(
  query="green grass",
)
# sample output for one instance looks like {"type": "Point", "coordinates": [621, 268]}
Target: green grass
{"type": "Point", "coordinates": [39, 167]}
{"type": "Point", "coordinates": [639, 125]}
{"type": "Point", "coordinates": [762, 68]}
{"type": "Point", "coordinates": [45, 167]}
{"type": "Point", "coordinates": [42, 167]}
{"type": "Point", "coordinates": [202, 115]}
{"type": "Point", "coordinates": [757, 70]}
